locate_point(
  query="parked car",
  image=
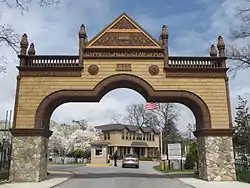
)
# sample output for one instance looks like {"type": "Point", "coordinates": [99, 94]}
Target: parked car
{"type": "Point", "coordinates": [130, 160]}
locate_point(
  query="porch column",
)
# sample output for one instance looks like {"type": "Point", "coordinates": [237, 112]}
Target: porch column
{"type": "Point", "coordinates": [29, 155]}
{"type": "Point", "coordinates": [146, 152]}
{"type": "Point", "coordinates": [215, 153]}
{"type": "Point", "coordinates": [116, 149]}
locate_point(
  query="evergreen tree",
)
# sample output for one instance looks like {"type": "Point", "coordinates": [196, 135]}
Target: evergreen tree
{"type": "Point", "coordinates": [241, 136]}
{"type": "Point", "coordinates": [191, 157]}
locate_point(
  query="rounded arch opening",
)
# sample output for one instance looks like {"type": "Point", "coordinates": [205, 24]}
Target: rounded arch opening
{"type": "Point", "coordinates": [189, 99]}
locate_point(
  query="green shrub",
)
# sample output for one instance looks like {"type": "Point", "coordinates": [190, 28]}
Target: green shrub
{"type": "Point", "coordinates": [191, 157]}
{"type": "Point", "coordinates": [189, 163]}
{"type": "Point", "coordinates": [78, 153]}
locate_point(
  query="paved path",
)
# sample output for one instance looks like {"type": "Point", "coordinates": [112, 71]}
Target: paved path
{"type": "Point", "coordinates": [113, 177]}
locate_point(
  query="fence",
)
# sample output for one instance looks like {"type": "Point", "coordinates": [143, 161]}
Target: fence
{"type": "Point", "coordinates": [5, 147]}
{"type": "Point", "coordinates": [242, 165]}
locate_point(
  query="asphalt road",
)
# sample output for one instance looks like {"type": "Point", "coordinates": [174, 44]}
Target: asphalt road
{"type": "Point", "coordinates": [71, 168]}
{"type": "Point", "coordinates": [114, 177]}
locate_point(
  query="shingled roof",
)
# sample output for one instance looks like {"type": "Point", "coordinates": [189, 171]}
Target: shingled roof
{"type": "Point", "coordinates": [120, 127]}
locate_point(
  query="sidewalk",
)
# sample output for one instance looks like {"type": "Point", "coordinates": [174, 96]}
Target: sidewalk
{"type": "Point", "coordinates": [54, 179]}
{"type": "Point", "coordinates": [188, 179]}
{"type": "Point", "coordinates": [197, 183]}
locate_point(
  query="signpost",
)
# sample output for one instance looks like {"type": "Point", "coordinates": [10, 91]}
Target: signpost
{"type": "Point", "coordinates": [174, 151]}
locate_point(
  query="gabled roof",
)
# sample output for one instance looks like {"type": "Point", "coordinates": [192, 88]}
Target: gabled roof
{"type": "Point", "coordinates": [123, 32]}
{"type": "Point", "coordinates": [121, 127]}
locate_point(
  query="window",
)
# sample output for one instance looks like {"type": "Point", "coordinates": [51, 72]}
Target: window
{"type": "Point", "coordinates": [147, 137]}
{"type": "Point", "coordinates": [98, 151]}
{"type": "Point", "coordinates": [153, 137]}
{"type": "Point", "coordinates": [126, 135]}
{"type": "Point", "coordinates": [130, 136]}
{"type": "Point", "coordinates": [123, 135]}
{"type": "Point", "coordinates": [133, 136]}
{"type": "Point", "coordinates": [139, 136]}
{"type": "Point", "coordinates": [144, 136]}
{"type": "Point", "coordinates": [150, 137]}
{"type": "Point", "coordinates": [108, 136]}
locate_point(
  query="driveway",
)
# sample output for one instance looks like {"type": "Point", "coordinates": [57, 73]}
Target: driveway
{"type": "Point", "coordinates": [113, 177]}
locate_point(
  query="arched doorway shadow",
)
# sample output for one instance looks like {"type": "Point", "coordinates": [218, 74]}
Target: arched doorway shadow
{"type": "Point", "coordinates": [187, 98]}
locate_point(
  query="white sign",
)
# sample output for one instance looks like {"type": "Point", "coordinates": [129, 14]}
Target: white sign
{"type": "Point", "coordinates": [174, 151]}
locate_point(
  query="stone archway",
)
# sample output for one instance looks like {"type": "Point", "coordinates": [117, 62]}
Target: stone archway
{"type": "Point", "coordinates": [122, 55]}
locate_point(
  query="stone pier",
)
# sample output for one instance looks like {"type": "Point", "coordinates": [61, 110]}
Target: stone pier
{"type": "Point", "coordinates": [216, 158]}
{"type": "Point", "coordinates": [29, 157]}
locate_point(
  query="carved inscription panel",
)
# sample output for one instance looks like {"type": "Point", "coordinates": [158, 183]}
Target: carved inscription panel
{"type": "Point", "coordinates": [123, 67]}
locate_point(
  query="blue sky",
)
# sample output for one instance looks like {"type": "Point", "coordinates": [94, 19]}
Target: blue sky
{"type": "Point", "coordinates": [193, 26]}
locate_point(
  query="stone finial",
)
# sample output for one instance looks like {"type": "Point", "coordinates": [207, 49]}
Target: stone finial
{"type": "Point", "coordinates": [221, 46]}
{"type": "Point", "coordinates": [32, 50]}
{"type": "Point", "coordinates": [164, 32]}
{"type": "Point", "coordinates": [82, 32]}
{"type": "Point", "coordinates": [24, 44]}
{"type": "Point", "coordinates": [213, 51]}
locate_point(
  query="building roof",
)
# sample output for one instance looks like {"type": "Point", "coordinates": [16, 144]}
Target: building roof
{"type": "Point", "coordinates": [99, 143]}
{"type": "Point", "coordinates": [121, 127]}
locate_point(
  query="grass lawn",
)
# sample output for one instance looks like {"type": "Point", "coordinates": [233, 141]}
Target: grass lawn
{"type": "Point", "coordinates": [158, 167]}
{"type": "Point", "coordinates": [244, 176]}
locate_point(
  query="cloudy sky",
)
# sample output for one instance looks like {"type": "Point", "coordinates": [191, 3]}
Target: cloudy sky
{"type": "Point", "coordinates": [193, 27]}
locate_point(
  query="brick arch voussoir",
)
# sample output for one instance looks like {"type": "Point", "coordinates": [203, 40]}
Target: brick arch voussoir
{"type": "Point", "coordinates": [124, 81]}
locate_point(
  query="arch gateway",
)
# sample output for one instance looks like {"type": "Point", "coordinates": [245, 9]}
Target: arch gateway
{"type": "Point", "coordinates": [123, 55]}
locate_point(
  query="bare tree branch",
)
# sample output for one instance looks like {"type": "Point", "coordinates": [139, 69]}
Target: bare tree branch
{"type": "Point", "coordinates": [167, 112]}
{"type": "Point", "coordinates": [138, 116]}
{"type": "Point", "coordinates": [23, 5]}
{"type": "Point", "coordinates": [8, 36]}
{"type": "Point", "coordinates": [241, 56]}
{"type": "Point", "coordinates": [117, 118]}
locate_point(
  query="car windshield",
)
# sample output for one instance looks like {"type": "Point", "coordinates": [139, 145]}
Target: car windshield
{"type": "Point", "coordinates": [130, 156]}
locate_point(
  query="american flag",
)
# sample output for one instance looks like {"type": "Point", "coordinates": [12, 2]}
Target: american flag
{"type": "Point", "coordinates": [152, 106]}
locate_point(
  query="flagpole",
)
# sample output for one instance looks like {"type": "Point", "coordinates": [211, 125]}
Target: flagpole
{"type": "Point", "coordinates": [161, 129]}
{"type": "Point", "coordinates": [161, 143]}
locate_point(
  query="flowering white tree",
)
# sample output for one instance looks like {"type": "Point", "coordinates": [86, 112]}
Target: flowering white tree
{"type": "Point", "coordinates": [83, 138]}
{"type": "Point", "coordinates": [66, 138]}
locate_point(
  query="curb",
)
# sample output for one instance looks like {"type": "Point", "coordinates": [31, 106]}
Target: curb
{"type": "Point", "coordinates": [97, 165]}
{"type": "Point", "coordinates": [72, 175]}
